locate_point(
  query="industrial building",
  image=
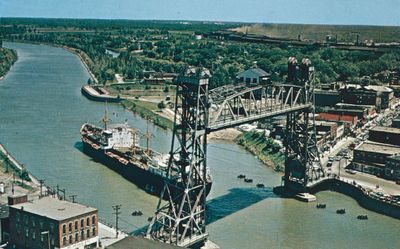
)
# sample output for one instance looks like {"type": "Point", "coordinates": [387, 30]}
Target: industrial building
{"type": "Point", "coordinates": [52, 223]}
{"type": "Point", "coordinates": [380, 96]}
{"type": "Point", "coordinates": [370, 157]}
{"type": "Point", "coordinates": [383, 134]}
{"type": "Point", "coordinates": [326, 97]}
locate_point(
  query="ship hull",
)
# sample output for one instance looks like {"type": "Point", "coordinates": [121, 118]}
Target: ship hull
{"type": "Point", "coordinates": [144, 179]}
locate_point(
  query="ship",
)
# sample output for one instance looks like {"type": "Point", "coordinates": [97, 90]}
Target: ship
{"type": "Point", "coordinates": [118, 147]}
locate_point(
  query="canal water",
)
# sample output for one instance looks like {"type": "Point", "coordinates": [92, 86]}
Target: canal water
{"type": "Point", "coordinates": [42, 109]}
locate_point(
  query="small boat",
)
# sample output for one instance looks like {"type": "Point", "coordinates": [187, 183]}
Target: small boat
{"type": "Point", "coordinates": [306, 197]}
{"type": "Point", "coordinates": [341, 211]}
{"type": "Point", "coordinates": [241, 176]}
{"type": "Point", "coordinates": [321, 205]}
{"type": "Point", "coordinates": [362, 217]}
{"type": "Point", "coordinates": [137, 213]}
{"type": "Point", "coordinates": [248, 180]}
{"type": "Point", "coordinates": [260, 185]}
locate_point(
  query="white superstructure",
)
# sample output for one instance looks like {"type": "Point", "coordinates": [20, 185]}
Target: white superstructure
{"type": "Point", "coordinates": [120, 136]}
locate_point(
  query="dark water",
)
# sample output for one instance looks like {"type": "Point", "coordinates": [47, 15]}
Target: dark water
{"type": "Point", "coordinates": [42, 109]}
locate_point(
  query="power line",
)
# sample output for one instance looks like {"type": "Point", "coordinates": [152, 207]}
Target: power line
{"type": "Point", "coordinates": [117, 212]}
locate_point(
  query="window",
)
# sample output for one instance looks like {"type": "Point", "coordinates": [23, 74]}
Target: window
{"type": "Point", "coordinates": [70, 239]}
{"type": "Point", "coordinates": [70, 226]}
{"type": "Point", "coordinates": [18, 217]}
{"type": "Point", "coordinates": [52, 241]}
{"type": "Point", "coordinates": [88, 233]}
{"type": "Point", "coordinates": [26, 219]}
{"type": "Point", "coordinates": [33, 222]}
{"type": "Point", "coordinates": [76, 225]}
{"type": "Point", "coordinates": [76, 237]}
{"type": "Point", "coordinates": [33, 235]}
{"type": "Point", "coordinates": [64, 241]}
{"type": "Point", "coordinates": [94, 231]}
{"type": "Point", "coordinates": [64, 228]}
{"type": "Point", "coordinates": [93, 219]}
{"type": "Point", "coordinates": [87, 221]}
{"type": "Point", "coordinates": [82, 223]}
{"type": "Point", "coordinates": [82, 235]}
{"type": "Point", "coordinates": [26, 232]}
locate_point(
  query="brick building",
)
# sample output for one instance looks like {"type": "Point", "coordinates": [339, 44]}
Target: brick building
{"type": "Point", "coordinates": [52, 223]}
{"type": "Point", "coordinates": [371, 157]}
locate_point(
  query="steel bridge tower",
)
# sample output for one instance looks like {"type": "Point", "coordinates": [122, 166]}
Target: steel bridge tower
{"type": "Point", "coordinates": [302, 160]}
{"type": "Point", "coordinates": [180, 215]}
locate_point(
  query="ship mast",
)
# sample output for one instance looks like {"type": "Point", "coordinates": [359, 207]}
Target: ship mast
{"type": "Point", "coordinates": [105, 119]}
{"type": "Point", "coordinates": [147, 135]}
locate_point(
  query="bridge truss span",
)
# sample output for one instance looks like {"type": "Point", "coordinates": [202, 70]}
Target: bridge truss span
{"type": "Point", "coordinates": [236, 104]}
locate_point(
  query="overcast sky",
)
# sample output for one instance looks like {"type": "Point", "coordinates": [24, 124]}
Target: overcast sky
{"type": "Point", "coordinates": [367, 12]}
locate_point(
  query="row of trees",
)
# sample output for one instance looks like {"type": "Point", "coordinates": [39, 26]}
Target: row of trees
{"type": "Point", "coordinates": [143, 49]}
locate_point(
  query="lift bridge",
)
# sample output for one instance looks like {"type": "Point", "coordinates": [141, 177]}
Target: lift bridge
{"type": "Point", "coordinates": [180, 214]}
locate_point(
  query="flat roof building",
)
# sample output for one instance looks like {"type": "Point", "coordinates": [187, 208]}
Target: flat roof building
{"type": "Point", "coordinates": [383, 134]}
{"type": "Point", "coordinates": [54, 223]}
{"type": "Point", "coordinates": [370, 157]}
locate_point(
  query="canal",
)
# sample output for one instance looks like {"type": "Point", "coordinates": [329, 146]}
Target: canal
{"type": "Point", "coordinates": [42, 110]}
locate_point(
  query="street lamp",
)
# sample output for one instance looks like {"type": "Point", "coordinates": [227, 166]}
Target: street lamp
{"type": "Point", "coordinates": [48, 237]}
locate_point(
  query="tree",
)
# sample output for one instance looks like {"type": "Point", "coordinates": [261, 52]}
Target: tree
{"type": "Point", "coordinates": [161, 105]}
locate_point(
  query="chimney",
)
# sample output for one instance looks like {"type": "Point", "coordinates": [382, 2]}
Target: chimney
{"type": "Point", "coordinates": [17, 199]}
{"type": "Point", "coordinates": [292, 64]}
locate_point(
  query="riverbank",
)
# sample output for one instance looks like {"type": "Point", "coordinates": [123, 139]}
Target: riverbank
{"type": "Point", "coordinates": [83, 57]}
{"type": "Point", "coordinates": [16, 184]}
{"type": "Point", "coordinates": [365, 197]}
{"type": "Point", "coordinates": [7, 59]}
{"type": "Point", "coordinates": [265, 149]}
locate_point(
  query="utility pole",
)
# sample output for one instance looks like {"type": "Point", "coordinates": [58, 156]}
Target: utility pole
{"type": "Point", "coordinates": [41, 188]}
{"type": "Point", "coordinates": [60, 190]}
{"type": "Point", "coordinates": [73, 197]}
{"type": "Point", "coordinates": [117, 212]}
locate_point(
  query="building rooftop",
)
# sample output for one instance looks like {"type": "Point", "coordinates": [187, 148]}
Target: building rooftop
{"type": "Point", "coordinates": [387, 129]}
{"type": "Point", "coordinates": [256, 71]}
{"type": "Point", "coordinates": [140, 243]}
{"type": "Point", "coordinates": [379, 88]}
{"type": "Point", "coordinates": [378, 148]}
{"type": "Point", "coordinates": [53, 208]}
{"type": "Point", "coordinates": [322, 91]}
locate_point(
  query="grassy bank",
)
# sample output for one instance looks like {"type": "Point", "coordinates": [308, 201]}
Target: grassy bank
{"type": "Point", "coordinates": [266, 149]}
{"type": "Point", "coordinates": [7, 59]}
{"type": "Point", "coordinates": [20, 177]}
{"type": "Point", "coordinates": [147, 110]}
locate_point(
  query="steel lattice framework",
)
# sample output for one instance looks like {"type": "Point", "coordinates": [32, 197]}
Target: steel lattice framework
{"type": "Point", "coordinates": [180, 219]}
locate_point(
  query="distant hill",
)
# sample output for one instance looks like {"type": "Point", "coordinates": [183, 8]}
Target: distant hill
{"type": "Point", "coordinates": [345, 33]}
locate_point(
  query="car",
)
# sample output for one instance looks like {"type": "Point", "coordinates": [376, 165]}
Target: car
{"type": "Point", "coordinates": [331, 158]}
{"type": "Point", "coordinates": [329, 164]}
{"type": "Point", "coordinates": [338, 158]}
{"type": "Point", "coordinates": [350, 171]}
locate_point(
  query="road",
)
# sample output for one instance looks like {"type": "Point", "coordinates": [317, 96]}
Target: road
{"type": "Point", "coordinates": [366, 180]}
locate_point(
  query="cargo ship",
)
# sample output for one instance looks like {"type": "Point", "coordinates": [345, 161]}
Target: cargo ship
{"type": "Point", "coordinates": [117, 147]}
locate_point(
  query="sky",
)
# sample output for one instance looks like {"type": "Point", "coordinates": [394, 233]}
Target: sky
{"type": "Point", "coordinates": [363, 12]}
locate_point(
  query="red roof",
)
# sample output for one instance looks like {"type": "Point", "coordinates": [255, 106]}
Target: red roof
{"type": "Point", "coordinates": [337, 117]}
